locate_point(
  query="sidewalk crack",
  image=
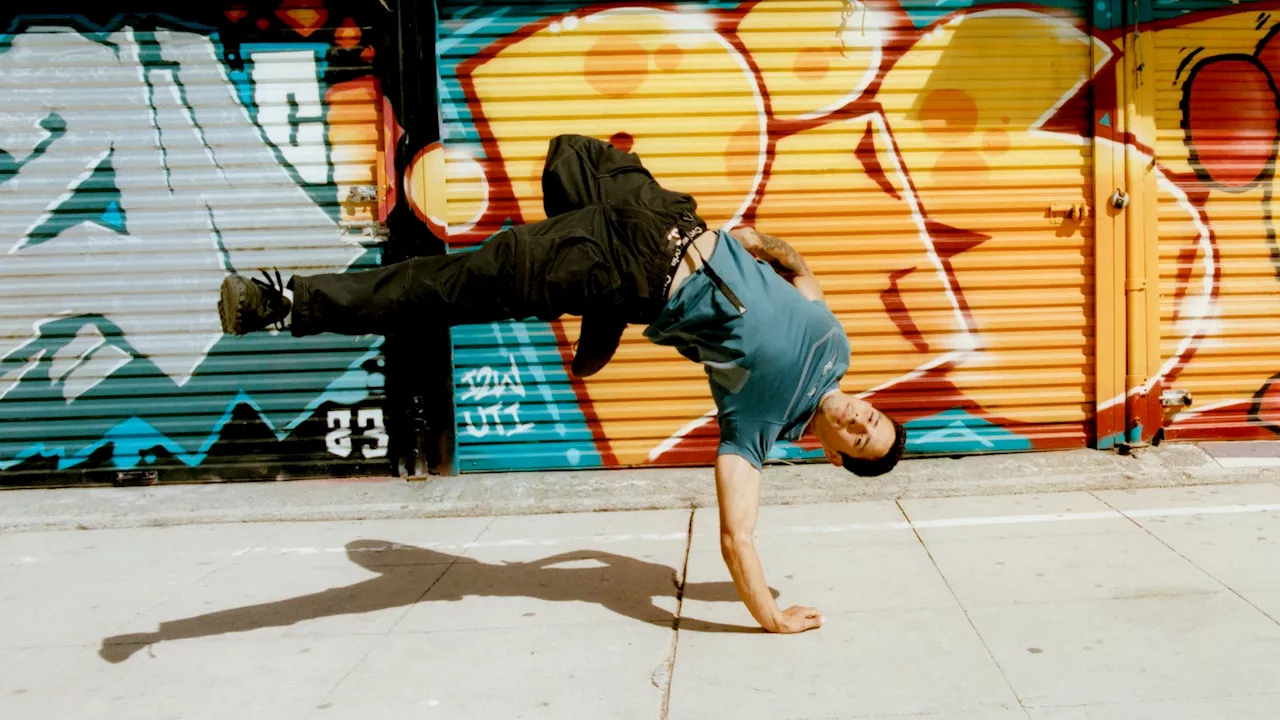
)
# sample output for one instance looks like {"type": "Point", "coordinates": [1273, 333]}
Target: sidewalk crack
{"type": "Point", "coordinates": [1188, 560]}
{"type": "Point", "coordinates": [391, 631]}
{"type": "Point", "coordinates": [664, 673]}
{"type": "Point", "coordinates": [1003, 675]}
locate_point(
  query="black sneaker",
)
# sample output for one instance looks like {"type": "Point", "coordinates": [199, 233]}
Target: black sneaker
{"type": "Point", "coordinates": [597, 344]}
{"type": "Point", "coordinates": [249, 304]}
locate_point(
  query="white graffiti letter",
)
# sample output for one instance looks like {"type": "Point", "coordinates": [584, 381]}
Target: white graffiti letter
{"type": "Point", "coordinates": [152, 120]}
{"type": "Point", "coordinates": [371, 420]}
{"type": "Point", "coordinates": [339, 441]}
{"type": "Point", "coordinates": [514, 412]}
{"type": "Point", "coordinates": [472, 430]}
{"type": "Point", "coordinates": [286, 89]}
{"type": "Point", "coordinates": [511, 381]}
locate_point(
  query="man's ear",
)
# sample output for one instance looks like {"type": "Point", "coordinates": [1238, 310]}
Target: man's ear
{"type": "Point", "coordinates": [833, 457]}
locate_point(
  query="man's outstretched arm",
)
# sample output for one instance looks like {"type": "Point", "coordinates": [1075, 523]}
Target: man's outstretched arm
{"type": "Point", "coordinates": [783, 257]}
{"type": "Point", "coordinates": [738, 490]}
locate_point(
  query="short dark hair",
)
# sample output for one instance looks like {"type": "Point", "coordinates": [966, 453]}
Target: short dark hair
{"type": "Point", "coordinates": [882, 465]}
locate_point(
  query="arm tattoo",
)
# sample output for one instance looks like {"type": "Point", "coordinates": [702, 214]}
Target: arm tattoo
{"type": "Point", "coordinates": [786, 255]}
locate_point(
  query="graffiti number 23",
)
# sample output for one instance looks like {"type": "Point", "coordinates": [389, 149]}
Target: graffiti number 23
{"type": "Point", "coordinates": [370, 419]}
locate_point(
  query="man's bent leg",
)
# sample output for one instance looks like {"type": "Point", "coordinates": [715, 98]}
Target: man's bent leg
{"type": "Point", "coordinates": [582, 171]}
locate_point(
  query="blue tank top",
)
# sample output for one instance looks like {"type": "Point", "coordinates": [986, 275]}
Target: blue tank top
{"type": "Point", "coordinates": [769, 366]}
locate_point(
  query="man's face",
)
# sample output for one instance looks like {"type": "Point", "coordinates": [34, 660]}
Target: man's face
{"type": "Point", "coordinates": [846, 424]}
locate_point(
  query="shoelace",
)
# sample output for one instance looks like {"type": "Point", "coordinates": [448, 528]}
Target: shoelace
{"type": "Point", "coordinates": [278, 286]}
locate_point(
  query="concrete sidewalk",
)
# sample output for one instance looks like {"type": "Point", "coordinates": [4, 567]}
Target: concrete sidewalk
{"type": "Point", "coordinates": [640, 489]}
{"type": "Point", "coordinates": [1116, 604]}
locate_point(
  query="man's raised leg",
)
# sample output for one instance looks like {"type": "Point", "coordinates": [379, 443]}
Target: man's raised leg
{"type": "Point", "coordinates": [541, 270]}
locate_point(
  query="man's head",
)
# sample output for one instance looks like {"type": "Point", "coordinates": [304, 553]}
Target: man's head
{"type": "Point", "coordinates": [856, 436]}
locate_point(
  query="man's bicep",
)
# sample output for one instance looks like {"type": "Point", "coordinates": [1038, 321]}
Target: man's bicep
{"type": "Point", "coordinates": [738, 492]}
{"type": "Point", "coordinates": [743, 234]}
{"type": "Point", "coordinates": [809, 287]}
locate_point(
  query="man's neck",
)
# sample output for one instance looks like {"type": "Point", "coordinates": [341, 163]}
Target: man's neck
{"type": "Point", "coordinates": [818, 410]}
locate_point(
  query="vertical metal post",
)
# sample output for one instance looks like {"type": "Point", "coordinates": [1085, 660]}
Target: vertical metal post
{"type": "Point", "coordinates": [1142, 284]}
{"type": "Point", "coordinates": [419, 366]}
{"type": "Point", "coordinates": [1110, 311]}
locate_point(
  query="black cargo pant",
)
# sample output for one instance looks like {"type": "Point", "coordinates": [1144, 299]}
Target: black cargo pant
{"type": "Point", "coordinates": [605, 250]}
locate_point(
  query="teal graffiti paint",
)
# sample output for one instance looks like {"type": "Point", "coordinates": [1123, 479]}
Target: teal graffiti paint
{"type": "Point", "coordinates": [957, 431]}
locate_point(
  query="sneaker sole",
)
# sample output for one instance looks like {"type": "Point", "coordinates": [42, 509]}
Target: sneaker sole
{"type": "Point", "coordinates": [230, 297]}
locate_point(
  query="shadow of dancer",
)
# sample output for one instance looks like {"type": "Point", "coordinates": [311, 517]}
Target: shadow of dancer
{"type": "Point", "coordinates": [625, 585]}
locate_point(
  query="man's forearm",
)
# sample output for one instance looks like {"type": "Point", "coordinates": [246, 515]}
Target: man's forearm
{"type": "Point", "coordinates": [748, 578]}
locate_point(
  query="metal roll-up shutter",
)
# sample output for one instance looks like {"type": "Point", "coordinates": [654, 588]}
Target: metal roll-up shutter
{"type": "Point", "coordinates": [932, 166]}
{"type": "Point", "coordinates": [142, 158]}
{"type": "Point", "coordinates": [1216, 117]}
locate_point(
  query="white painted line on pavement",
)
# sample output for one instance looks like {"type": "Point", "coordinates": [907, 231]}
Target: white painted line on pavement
{"type": "Point", "coordinates": [1247, 462]}
{"type": "Point", "coordinates": [1212, 510]}
{"type": "Point", "coordinates": [596, 540]}
{"type": "Point", "coordinates": [981, 521]}
{"type": "Point", "coordinates": [986, 521]}
{"type": "Point", "coordinates": [514, 542]}
{"type": "Point", "coordinates": [1018, 519]}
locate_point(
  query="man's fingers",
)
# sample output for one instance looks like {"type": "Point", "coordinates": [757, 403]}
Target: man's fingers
{"type": "Point", "coordinates": [800, 619]}
{"type": "Point", "coordinates": [812, 618]}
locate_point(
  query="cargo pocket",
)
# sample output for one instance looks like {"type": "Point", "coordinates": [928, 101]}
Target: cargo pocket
{"type": "Point", "coordinates": [579, 277]}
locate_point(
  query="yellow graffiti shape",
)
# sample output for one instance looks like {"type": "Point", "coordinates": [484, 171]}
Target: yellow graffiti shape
{"type": "Point", "coordinates": [813, 57]}
{"type": "Point", "coordinates": [354, 124]}
{"type": "Point", "coordinates": [1010, 200]}
{"type": "Point", "coordinates": [426, 188]}
{"type": "Point", "coordinates": [1187, 270]}
{"type": "Point", "coordinates": [664, 85]}
{"type": "Point", "coordinates": [448, 189]}
{"type": "Point", "coordinates": [838, 195]}
{"type": "Point", "coordinates": [1239, 330]}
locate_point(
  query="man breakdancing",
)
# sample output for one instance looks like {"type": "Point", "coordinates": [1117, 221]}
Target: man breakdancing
{"type": "Point", "coordinates": [615, 250]}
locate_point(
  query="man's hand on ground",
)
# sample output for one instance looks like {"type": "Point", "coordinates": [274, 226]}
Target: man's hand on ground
{"type": "Point", "coordinates": [797, 619]}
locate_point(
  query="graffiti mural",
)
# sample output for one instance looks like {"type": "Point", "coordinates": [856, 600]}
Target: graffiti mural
{"type": "Point", "coordinates": [934, 163]}
{"type": "Point", "coordinates": [142, 158]}
{"type": "Point", "coordinates": [1216, 146]}
{"type": "Point", "coordinates": [777, 114]}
